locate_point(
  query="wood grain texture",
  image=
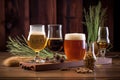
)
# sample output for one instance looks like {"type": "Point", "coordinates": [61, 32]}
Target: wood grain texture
{"type": "Point", "coordinates": [2, 28]}
{"type": "Point", "coordinates": [69, 13]}
{"type": "Point", "coordinates": [55, 66]}
{"type": "Point", "coordinates": [102, 72]}
{"type": "Point", "coordinates": [43, 11]}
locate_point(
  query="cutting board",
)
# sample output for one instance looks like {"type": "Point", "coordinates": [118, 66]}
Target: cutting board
{"type": "Point", "coordinates": [66, 64]}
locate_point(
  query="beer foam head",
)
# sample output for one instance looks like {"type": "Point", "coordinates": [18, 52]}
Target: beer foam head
{"type": "Point", "coordinates": [75, 36]}
{"type": "Point", "coordinates": [37, 29]}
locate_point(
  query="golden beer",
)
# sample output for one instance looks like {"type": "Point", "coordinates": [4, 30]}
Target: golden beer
{"type": "Point", "coordinates": [103, 44]}
{"type": "Point", "coordinates": [37, 42]}
{"type": "Point", "coordinates": [74, 46]}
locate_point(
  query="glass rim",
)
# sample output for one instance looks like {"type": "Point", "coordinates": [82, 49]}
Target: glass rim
{"type": "Point", "coordinates": [54, 24]}
{"type": "Point", "coordinates": [103, 27]}
{"type": "Point", "coordinates": [75, 36]}
{"type": "Point", "coordinates": [37, 25]}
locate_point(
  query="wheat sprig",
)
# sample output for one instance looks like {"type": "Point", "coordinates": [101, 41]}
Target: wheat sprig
{"type": "Point", "coordinates": [94, 18]}
{"type": "Point", "coordinates": [18, 46]}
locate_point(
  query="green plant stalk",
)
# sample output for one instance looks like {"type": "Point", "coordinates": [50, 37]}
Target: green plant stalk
{"type": "Point", "coordinates": [19, 47]}
{"type": "Point", "coordinates": [94, 18]}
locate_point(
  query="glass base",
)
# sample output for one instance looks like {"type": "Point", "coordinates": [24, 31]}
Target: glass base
{"type": "Point", "coordinates": [38, 60]}
{"type": "Point", "coordinates": [102, 52]}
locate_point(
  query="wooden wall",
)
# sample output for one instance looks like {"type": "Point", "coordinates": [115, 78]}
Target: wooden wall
{"type": "Point", "coordinates": [69, 13]}
{"type": "Point", "coordinates": [2, 29]}
{"type": "Point", "coordinates": [43, 12]}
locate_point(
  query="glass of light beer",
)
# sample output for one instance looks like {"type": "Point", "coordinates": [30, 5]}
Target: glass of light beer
{"type": "Point", "coordinates": [74, 46]}
{"type": "Point", "coordinates": [37, 39]}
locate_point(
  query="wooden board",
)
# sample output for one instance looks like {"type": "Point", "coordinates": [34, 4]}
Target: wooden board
{"type": "Point", "coordinates": [53, 66]}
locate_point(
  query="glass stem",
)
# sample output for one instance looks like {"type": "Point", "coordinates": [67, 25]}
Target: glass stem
{"type": "Point", "coordinates": [102, 52]}
{"type": "Point", "coordinates": [37, 54]}
{"type": "Point", "coordinates": [37, 57]}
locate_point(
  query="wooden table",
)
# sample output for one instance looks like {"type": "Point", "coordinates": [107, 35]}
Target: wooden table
{"type": "Point", "coordinates": [102, 72]}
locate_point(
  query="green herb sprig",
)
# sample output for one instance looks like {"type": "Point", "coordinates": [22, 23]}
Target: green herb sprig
{"type": "Point", "coordinates": [18, 46]}
{"type": "Point", "coordinates": [94, 18]}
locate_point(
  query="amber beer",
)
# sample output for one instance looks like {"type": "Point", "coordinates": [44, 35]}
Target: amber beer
{"type": "Point", "coordinates": [74, 46]}
{"type": "Point", "coordinates": [103, 44]}
{"type": "Point", "coordinates": [55, 44]}
{"type": "Point", "coordinates": [37, 41]}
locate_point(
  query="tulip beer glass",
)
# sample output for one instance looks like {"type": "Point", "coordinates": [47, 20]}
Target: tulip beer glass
{"type": "Point", "coordinates": [37, 39]}
{"type": "Point", "coordinates": [74, 46]}
{"type": "Point", "coordinates": [103, 40]}
{"type": "Point", "coordinates": [55, 40]}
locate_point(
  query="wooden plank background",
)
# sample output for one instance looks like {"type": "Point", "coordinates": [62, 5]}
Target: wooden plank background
{"type": "Point", "coordinates": [69, 13]}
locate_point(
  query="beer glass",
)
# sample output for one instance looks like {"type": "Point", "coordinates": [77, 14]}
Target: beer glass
{"type": "Point", "coordinates": [74, 46]}
{"type": "Point", "coordinates": [55, 40]}
{"type": "Point", "coordinates": [37, 39]}
{"type": "Point", "coordinates": [103, 40]}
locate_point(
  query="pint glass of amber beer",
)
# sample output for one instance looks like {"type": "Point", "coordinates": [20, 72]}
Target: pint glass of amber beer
{"type": "Point", "coordinates": [74, 46]}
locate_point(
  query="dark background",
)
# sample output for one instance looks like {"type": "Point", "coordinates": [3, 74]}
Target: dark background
{"type": "Point", "coordinates": [17, 15]}
{"type": "Point", "coordinates": [116, 25]}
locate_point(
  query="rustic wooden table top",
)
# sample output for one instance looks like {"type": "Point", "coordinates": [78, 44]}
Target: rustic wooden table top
{"type": "Point", "coordinates": [102, 72]}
